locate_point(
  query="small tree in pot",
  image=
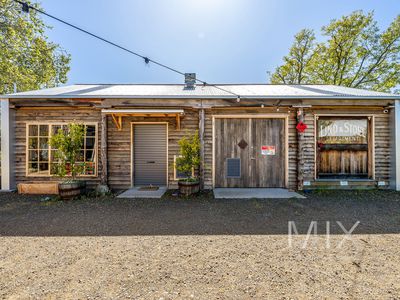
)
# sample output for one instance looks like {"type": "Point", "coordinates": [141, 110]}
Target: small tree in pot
{"type": "Point", "coordinates": [68, 144]}
{"type": "Point", "coordinates": [188, 161]}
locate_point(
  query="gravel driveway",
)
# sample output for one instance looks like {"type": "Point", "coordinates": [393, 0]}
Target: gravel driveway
{"type": "Point", "coordinates": [200, 248]}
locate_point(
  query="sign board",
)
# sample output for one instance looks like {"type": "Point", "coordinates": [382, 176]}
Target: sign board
{"type": "Point", "coordinates": [267, 150]}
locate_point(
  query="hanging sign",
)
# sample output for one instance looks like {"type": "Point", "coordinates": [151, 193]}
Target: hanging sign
{"type": "Point", "coordinates": [301, 127]}
{"type": "Point", "coordinates": [267, 150]}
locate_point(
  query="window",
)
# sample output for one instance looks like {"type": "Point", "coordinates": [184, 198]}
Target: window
{"type": "Point", "coordinates": [40, 155]}
{"type": "Point", "coordinates": [343, 149]}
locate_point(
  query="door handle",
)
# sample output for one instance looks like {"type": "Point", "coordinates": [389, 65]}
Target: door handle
{"type": "Point", "coordinates": [150, 162]}
{"type": "Point", "coordinates": [252, 158]}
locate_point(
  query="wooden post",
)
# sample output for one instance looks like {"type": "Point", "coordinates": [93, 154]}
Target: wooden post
{"type": "Point", "coordinates": [201, 137]}
{"type": "Point", "coordinates": [103, 154]}
{"type": "Point", "coordinates": [300, 151]}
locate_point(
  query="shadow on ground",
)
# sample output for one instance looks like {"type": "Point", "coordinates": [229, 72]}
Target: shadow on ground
{"type": "Point", "coordinates": [377, 211]}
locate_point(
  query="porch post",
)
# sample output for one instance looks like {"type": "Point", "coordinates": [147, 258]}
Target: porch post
{"type": "Point", "coordinates": [201, 137]}
{"type": "Point", "coordinates": [395, 157]}
{"type": "Point", "coordinates": [300, 151]}
{"type": "Point", "coordinates": [7, 146]}
{"type": "Point", "coordinates": [103, 188]}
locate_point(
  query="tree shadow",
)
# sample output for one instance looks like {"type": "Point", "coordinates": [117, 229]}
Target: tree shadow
{"type": "Point", "coordinates": [377, 211]}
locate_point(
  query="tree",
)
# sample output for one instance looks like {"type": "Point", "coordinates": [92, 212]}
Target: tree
{"type": "Point", "coordinates": [355, 54]}
{"type": "Point", "coordinates": [190, 155]}
{"type": "Point", "coordinates": [68, 144]}
{"type": "Point", "coordinates": [27, 57]}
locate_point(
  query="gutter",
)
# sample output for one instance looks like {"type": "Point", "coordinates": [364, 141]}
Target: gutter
{"type": "Point", "coordinates": [338, 97]}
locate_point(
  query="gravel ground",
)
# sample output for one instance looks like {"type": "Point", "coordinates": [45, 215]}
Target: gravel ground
{"type": "Point", "coordinates": [200, 248]}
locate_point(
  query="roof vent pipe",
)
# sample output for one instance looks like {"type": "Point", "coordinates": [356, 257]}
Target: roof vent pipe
{"type": "Point", "coordinates": [190, 80]}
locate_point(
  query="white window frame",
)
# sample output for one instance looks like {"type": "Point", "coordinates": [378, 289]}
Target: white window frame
{"type": "Point", "coordinates": [27, 174]}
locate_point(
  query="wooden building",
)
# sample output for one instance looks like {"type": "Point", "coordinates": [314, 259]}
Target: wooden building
{"type": "Point", "coordinates": [253, 135]}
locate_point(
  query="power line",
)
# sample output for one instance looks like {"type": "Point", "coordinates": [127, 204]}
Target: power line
{"type": "Point", "coordinates": [26, 7]}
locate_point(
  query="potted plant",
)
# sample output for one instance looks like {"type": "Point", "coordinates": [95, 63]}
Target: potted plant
{"type": "Point", "coordinates": [67, 161]}
{"type": "Point", "coordinates": [189, 161]}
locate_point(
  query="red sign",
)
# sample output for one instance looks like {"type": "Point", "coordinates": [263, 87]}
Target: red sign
{"type": "Point", "coordinates": [301, 127]}
{"type": "Point", "coordinates": [267, 150]}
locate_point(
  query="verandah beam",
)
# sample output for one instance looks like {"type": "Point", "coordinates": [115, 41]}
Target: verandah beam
{"type": "Point", "coordinates": [178, 122]}
{"type": "Point", "coordinates": [117, 121]}
{"type": "Point", "coordinates": [201, 137]}
{"type": "Point", "coordinates": [300, 151]}
{"type": "Point", "coordinates": [103, 153]}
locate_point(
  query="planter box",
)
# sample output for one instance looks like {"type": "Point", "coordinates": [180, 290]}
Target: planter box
{"type": "Point", "coordinates": [188, 188]}
{"type": "Point", "coordinates": [38, 188]}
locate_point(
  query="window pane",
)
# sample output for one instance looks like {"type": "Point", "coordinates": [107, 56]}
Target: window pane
{"type": "Point", "coordinates": [90, 143]}
{"type": "Point", "coordinates": [43, 167]}
{"type": "Point", "coordinates": [81, 156]}
{"type": "Point", "coordinates": [52, 155]}
{"type": "Point", "coordinates": [53, 169]}
{"type": "Point", "coordinates": [55, 128]}
{"type": "Point", "coordinates": [90, 130]}
{"type": "Point", "coordinates": [33, 130]}
{"type": "Point", "coordinates": [90, 168]}
{"type": "Point", "coordinates": [44, 155]}
{"type": "Point", "coordinates": [33, 155]}
{"type": "Point", "coordinates": [33, 143]}
{"type": "Point", "coordinates": [32, 167]}
{"type": "Point", "coordinates": [44, 130]}
{"type": "Point", "coordinates": [89, 155]}
{"type": "Point", "coordinates": [43, 143]}
{"type": "Point", "coordinates": [342, 131]}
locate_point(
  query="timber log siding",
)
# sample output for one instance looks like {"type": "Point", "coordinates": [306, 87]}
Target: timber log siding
{"type": "Point", "coordinates": [120, 144]}
{"type": "Point", "coordinates": [48, 116]}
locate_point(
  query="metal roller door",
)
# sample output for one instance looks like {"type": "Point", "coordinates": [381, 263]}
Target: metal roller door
{"type": "Point", "coordinates": [150, 154]}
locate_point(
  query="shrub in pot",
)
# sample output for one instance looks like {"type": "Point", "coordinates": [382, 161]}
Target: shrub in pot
{"type": "Point", "coordinates": [188, 161]}
{"type": "Point", "coordinates": [67, 159]}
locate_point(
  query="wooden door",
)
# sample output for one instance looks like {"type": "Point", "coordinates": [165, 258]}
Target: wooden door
{"type": "Point", "coordinates": [268, 153]}
{"type": "Point", "coordinates": [249, 152]}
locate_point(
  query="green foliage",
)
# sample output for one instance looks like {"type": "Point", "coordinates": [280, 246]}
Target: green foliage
{"type": "Point", "coordinates": [27, 58]}
{"type": "Point", "coordinates": [355, 53]}
{"type": "Point", "coordinates": [68, 144]}
{"type": "Point", "coordinates": [190, 155]}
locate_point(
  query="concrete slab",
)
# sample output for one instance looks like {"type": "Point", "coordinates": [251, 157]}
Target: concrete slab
{"type": "Point", "coordinates": [260, 193]}
{"type": "Point", "coordinates": [137, 193]}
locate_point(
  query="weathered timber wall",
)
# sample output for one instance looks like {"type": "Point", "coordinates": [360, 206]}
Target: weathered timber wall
{"type": "Point", "coordinates": [120, 146]}
{"type": "Point", "coordinates": [24, 116]}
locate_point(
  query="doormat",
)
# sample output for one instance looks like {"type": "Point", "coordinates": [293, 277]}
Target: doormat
{"type": "Point", "coordinates": [148, 188]}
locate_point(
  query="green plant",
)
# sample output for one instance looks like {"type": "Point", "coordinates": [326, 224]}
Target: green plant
{"type": "Point", "coordinates": [68, 144]}
{"type": "Point", "coordinates": [190, 156]}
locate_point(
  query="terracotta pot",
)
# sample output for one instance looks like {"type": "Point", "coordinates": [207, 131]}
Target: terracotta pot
{"type": "Point", "coordinates": [70, 190]}
{"type": "Point", "coordinates": [188, 188]}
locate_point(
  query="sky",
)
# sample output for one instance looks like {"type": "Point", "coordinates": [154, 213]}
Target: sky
{"type": "Point", "coordinates": [222, 41]}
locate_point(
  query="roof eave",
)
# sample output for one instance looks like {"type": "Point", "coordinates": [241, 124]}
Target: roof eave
{"type": "Point", "coordinates": [46, 97]}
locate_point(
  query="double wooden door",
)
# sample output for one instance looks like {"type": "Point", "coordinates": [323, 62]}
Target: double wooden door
{"type": "Point", "coordinates": [249, 152]}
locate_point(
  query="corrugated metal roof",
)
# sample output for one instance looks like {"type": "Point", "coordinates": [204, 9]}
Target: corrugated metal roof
{"type": "Point", "coordinates": [262, 91]}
